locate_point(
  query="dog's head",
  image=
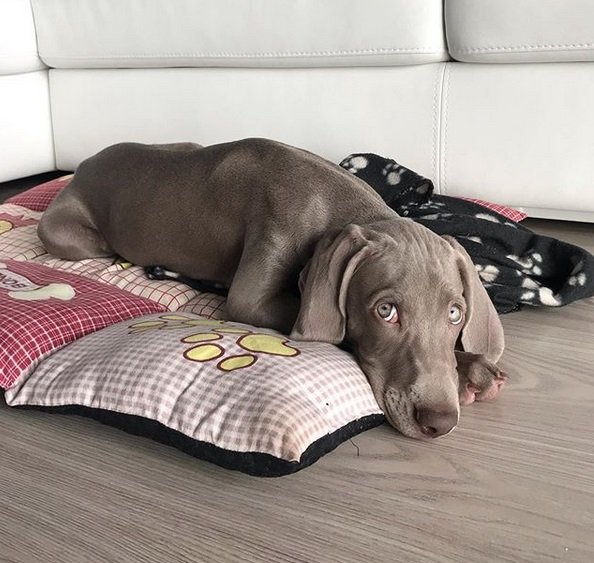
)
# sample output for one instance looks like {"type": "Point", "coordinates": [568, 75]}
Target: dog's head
{"type": "Point", "coordinates": [404, 298]}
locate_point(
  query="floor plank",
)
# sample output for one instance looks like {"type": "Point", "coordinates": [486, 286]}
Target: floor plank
{"type": "Point", "coordinates": [515, 482]}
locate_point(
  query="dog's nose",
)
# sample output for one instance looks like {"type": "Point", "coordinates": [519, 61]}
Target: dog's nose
{"type": "Point", "coordinates": [435, 423]}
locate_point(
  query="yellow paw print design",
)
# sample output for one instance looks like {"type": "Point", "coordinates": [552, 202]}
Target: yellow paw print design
{"type": "Point", "coordinates": [208, 346]}
{"type": "Point", "coordinates": [121, 264]}
{"type": "Point", "coordinates": [8, 222]}
{"type": "Point", "coordinates": [5, 226]}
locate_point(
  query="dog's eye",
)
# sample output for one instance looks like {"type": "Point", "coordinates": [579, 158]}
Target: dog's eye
{"type": "Point", "coordinates": [455, 314]}
{"type": "Point", "coordinates": [388, 312]}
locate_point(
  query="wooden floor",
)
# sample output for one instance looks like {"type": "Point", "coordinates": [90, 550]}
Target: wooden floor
{"type": "Point", "coordinates": [515, 481]}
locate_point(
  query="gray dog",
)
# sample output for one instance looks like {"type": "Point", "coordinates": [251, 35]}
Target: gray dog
{"type": "Point", "coordinates": [264, 218]}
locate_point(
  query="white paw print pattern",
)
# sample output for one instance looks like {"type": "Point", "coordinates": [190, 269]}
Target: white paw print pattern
{"type": "Point", "coordinates": [493, 219]}
{"type": "Point", "coordinates": [393, 173]}
{"type": "Point", "coordinates": [537, 293]}
{"type": "Point", "coordinates": [354, 163]}
{"type": "Point", "coordinates": [431, 205]}
{"type": "Point", "coordinates": [487, 273]}
{"type": "Point", "coordinates": [529, 263]}
{"type": "Point", "coordinates": [529, 283]}
{"type": "Point", "coordinates": [577, 276]}
{"type": "Point", "coordinates": [547, 297]}
{"type": "Point", "coordinates": [487, 217]}
{"type": "Point", "coordinates": [579, 279]}
{"type": "Point", "coordinates": [433, 216]}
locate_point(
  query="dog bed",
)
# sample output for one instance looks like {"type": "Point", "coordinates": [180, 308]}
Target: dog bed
{"type": "Point", "coordinates": [97, 338]}
{"type": "Point", "coordinates": [244, 398]}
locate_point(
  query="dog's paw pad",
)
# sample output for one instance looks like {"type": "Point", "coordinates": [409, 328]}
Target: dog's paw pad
{"type": "Point", "coordinates": [468, 394]}
{"type": "Point", "coordinates": [479, 379]}
{"type": "Point", "coordinates": [493, 390]}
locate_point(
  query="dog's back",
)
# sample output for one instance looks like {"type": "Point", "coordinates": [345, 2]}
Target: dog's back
{"type": "Point", "coordinates": [190, 208]}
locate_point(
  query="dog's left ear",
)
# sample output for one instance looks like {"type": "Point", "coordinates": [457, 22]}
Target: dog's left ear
{"type": "Point", "coordinates": [324, 283]}
{"type": "Point", "coordinates": [482, 332]}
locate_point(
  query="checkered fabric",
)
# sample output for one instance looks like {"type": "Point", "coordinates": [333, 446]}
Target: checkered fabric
{"type": "Point", "coordinates": [172, 295]}
{"type": "Point", "coordinates": [206, 305]}
{"type": "Point", "coordinates": [18, 233]}
{"type": "Point", "coordinates": [237, 387]}
{"type": "Point", "coordinates": [507, 212]}
{"type": "Point", "coordinates": [39, 197]}
{"type": "Point", "coordinates": [42, 309]}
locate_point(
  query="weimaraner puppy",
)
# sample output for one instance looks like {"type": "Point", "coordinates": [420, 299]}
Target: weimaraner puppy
{"type": "Point", "coordinates": [264, 218]}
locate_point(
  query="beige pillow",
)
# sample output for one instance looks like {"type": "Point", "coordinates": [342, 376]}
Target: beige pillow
{"type": "Point", "coordinates": [242, 397]}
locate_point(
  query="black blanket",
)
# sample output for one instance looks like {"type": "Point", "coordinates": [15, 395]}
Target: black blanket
{"type": "Point", "coordinates": [516, 265]}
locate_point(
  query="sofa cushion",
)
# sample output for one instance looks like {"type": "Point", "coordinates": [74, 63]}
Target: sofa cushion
{"type": "Point", "coordinates": [245, 398]}
{"type": "Point", "coordinates": [509, 31]}
{"type": "Point", "coordinates": [520, 134]}
{"type": "Point", "coordinates": [18, 45]}
{"type": "Point", "coordinates": [26, 139]}
{"type": "Point", "coordinates": [174, 33]}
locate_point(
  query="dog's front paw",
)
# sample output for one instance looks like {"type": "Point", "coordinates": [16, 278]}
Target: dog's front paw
{"type": "Point", "coordinates": [478, 378]}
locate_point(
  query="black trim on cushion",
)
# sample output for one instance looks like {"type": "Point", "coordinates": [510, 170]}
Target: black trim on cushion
{"type": "Point", "coordinates": [252, 463]}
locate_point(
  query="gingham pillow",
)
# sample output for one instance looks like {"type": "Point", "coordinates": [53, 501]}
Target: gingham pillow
{"type": "Point", "coordinates": [206, 305]}
{"type": "Point", "coordinates": [241, 397]}
{"type": "Point", "coordinates": [18, 233]}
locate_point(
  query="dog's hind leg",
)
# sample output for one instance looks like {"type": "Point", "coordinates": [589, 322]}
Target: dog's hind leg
{"type": "Point", "coordinates": [67, 232]}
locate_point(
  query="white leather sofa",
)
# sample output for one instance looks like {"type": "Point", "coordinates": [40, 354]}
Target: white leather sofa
{"type": "Point", "coordinates": [489, 98]}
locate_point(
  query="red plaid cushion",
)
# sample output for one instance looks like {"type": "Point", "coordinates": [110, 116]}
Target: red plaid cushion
{"type": "Point", "coordinates": [39, 197]}
{"type": "Point", "coordinates": [42, 309]}
{"type": "Point", "coordinates": [507, 212]}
